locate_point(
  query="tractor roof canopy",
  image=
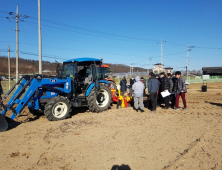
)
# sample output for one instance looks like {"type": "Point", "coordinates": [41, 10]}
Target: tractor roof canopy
{"type": "Point", "coordinates": [83, 60]}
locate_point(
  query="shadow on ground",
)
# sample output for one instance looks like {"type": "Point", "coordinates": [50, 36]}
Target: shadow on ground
{"type": "Point", "coordinates": [79, 110]}
{"type": "Point", "coordinates": [216, 104]}
{"type": "Point", "coordinates": [122, 167]}
{"type": "Point", "coordinates": [11, 123]}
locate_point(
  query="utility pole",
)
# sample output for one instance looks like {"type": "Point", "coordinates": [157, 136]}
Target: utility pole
{"type": "Point", "coordinates": [9, 66]}
{"type": "Point", "coordinates": [17, 43]}
{"type": "Point", "coordinates": [148, 59]}
{"type": "Point", "coordinates": [189, 48]}
{"type": "Point", "coordinates": [40, 37]}
{"type": "Point", "coordinates": [148, 66]}
{"type": "Point", "coordinates": [132, 68]}
{"type": "Point", "coordinates": [130, 71]}
{"type": "Point", "coordinates": [161, 50]}
{"type": "Point", "coordinates": [17, 17]}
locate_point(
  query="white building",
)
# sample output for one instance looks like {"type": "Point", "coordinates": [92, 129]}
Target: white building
{"type": "Point", "coordinates": [168, 70]}
{"type": "Point", "coordinates": [158, 68]}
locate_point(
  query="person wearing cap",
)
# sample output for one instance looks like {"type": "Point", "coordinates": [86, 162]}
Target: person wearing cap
{"type": "Point", "coordinates": [138, 88]}
{"type": "Point", "coordinates": [123, 86]}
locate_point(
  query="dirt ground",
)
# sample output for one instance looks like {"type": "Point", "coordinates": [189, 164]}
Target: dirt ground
{"type": "Point", "coordinates": [120, 139]}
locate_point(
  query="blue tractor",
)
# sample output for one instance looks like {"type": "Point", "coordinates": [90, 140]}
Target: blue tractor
{"type": "Point", "coordinates": [79, 83]}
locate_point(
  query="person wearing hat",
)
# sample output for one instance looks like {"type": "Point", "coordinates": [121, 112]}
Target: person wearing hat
{"type": "Point", "coordinates": [123, 86]}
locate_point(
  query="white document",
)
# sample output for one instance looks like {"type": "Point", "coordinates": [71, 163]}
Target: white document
{"type": "Point", "coordinates": [165, 94]}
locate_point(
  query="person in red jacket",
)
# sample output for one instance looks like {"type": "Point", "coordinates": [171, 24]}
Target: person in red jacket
{"type": "Point", "coordinates": [180, 89]}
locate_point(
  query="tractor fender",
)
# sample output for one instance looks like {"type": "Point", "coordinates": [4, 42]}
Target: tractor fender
{"type": "Point", "coordinates": [90, 87]}
{"type": "Point", "coordinates": [111, 80]}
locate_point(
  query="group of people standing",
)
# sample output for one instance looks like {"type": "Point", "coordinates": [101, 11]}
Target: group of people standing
{"type": "Point", "coordinates": [175, 85]}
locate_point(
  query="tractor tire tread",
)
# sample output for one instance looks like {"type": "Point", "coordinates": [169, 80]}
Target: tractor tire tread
{"type": "Point", "coordinates": [49, 105]}
{"type": "Point", "coordinates": [92, 105]}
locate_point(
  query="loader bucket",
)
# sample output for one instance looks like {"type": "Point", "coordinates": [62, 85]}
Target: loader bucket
{"type": "Point", "coordinates": [3, 123]}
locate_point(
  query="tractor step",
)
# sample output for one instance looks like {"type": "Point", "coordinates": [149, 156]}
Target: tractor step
{"type": "Point", "coordinates": [80, 101]}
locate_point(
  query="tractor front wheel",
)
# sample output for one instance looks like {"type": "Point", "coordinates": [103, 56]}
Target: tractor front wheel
{"type": "Point", "coordinates": [57, 108]}
{"type": "Point", "coordinates": [101, 101]}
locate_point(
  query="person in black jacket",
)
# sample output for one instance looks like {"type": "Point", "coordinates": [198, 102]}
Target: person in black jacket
{"type": "Point", "coordinates": [173, 94]}
{"type": "Point", "coordinates": [158, 98]}
{"type": "Point", "coordinates": [165, 85]}
{"type": "Point", "coordinates": [153, 87]}
{"type": "Point", "coordinates": [123, 86]}
{"type": "Point", "coordinates": [132, 81]}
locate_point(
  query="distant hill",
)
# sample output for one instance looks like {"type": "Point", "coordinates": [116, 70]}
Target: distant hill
{"type": "Point", "coordinates": [122, 68]}
{"type": "Point", "coordinates": [26, 66]}
{"type": "Point", "coordinates": [29, 66]}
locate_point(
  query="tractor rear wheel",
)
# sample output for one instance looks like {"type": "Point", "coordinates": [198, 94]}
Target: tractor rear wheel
{"type": "Point", "coordinates": [57, 108]}
{"type": "Point", "coordinates": [101, 101]}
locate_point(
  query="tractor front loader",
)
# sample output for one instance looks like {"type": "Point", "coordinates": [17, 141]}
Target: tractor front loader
{"type": "Point", "coordinates": [56, 95]}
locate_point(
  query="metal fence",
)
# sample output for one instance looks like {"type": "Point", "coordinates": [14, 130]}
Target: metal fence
{"type": "Point", "coordinates": [190, 80]}
{"type": "Point", "coordinates": [193, 81]}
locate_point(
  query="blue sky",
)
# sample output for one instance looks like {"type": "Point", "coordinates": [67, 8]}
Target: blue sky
{"type": "Point", "coordinates": [120, 31]}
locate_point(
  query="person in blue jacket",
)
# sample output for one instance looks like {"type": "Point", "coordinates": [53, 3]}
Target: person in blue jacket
{"type": "Point", "coordinates": [153, 87]}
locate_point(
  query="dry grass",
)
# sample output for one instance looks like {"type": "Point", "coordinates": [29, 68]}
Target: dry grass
{"type": "Point", "coordinates": [5, 84]}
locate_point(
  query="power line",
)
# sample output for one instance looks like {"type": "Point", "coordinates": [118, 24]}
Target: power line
{"type": "Point", "coordinates": [118, 37]}
{"type": "Point", "coordinates": [122, 38]}
{"type": "Point", "coordinates": [82, 41]}
{"type": "Point", "coordinates": [88, 51]}
{"type": "Point", "coordinates": [35, 54]}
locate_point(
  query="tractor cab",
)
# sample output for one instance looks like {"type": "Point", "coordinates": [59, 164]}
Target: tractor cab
{"type": "Point", "coordinates": [83, 72]}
